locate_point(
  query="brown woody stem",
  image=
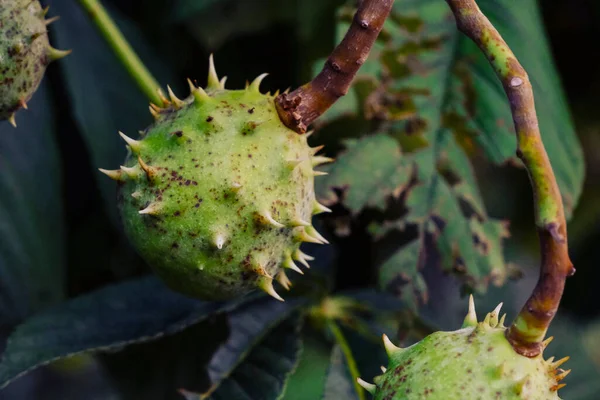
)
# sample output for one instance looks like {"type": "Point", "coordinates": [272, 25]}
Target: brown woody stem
{"type": "Point", "coordinates": [527, 332]}
{"type": "Point", "coordinates": [301, 107]}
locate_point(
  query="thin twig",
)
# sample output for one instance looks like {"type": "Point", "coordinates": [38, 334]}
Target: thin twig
{"type": "Point", "coordinates": [135, 67]}
{"type": "Point", "coordinates": [300, 108]}
{"type": "Point", "coordinates": [529, 328]}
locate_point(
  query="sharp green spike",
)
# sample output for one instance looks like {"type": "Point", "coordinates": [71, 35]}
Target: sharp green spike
{"type": "Point", "coordinates": [151, 172]}
{"type": "Point", "coordinates": [12, 120]}
{"type": "Point", "coordinates": [297, 221]}
{"type": "Point", "coordinates": [116, 175]}
{"type": "Point", "coordinates": [130, 172]}
{"type": "Point", "coordinates": [200, 96]}
{"type": "Point", "coordinates": [284, 280]}
{"type": "Point", "coordinates": [134, 145]}
{"type": "Point", "coordinates": [222, 83]}
{"type": "Point", "coordinates": [390, 348]}
{"type": "Point", "coordinates": [494, 316]}
{"type": "Point", "coordinates": [289, 263]}
{"type": "Point", "coordinates": [55, 54]}
{"type": "Point", "coordinates": [319, 208]}
{"type": "Point", "coordinates": [471, 318]}
{"type": "Point", "coordinates": [319, 160]}
{"type": "Point", "coordinates": [51, 20]}
{"type": "Point", "coordinates": [313, 232]}
{"type": "Point", "coordinates": [369, 387]}
{"type": "Point", "coordinates": [266, 284]}
{"type": "Point", "coordinates": [177, 102]}
{"type": "Point", "coordinates": [302, 236]}
{"type": "Point", "coordinates": [558, 363]}
{"type": "Point", "coordinates": [213, 78]}
{"type": "Point", "coordinates": [152, 209]}
{"type": "Point", "coordinates": [255, 85]}
{"type": "Point", "coordinates": [319, 173]}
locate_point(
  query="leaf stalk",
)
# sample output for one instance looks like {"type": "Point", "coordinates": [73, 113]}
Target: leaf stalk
{"type": "Point", "coordinates": [347, 351]}
{"type": "Point", "coordinates": [123, 50]}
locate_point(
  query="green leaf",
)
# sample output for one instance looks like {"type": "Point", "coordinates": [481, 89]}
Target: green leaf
{"type": "Point", "coordinates": [370, 170]}
{"type": "Point", "coordinates": [32, 248]}
{"type": "Point", "coordinates": [442, 201]}
{"type": "Point", "coordinates": [402, 272]}
{"type": "Point", "coordinates": [156, 370]}
{"type": "Point", "coordinates": [308, 380]}
{"type": "Point", "coordinates": [339, 383]}
{"type": "Point", "coordinates": [106, 320]}
{"type": "Point", "coordinates": [435, 96]}
{"type": "Point", "coordinates": [431, 78]}
{"type": "Point", "coordinates": [248, 325]}
{"type": "Point", "coordinates": [104, 98]}
{"type": "Point", "coordinates": [468, 242]}
{"type": "Point", "coordinates": [263, 374]}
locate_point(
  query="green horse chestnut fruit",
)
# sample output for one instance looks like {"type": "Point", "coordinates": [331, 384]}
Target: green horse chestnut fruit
{"type": "Point", "coordinates": [218, 194]}
{"type": "Point", "coordinates": [24, 53]}
{"type": "Point", "coordinates": [474, 362]}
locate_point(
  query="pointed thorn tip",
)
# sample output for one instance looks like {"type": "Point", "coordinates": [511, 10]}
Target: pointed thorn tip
{"type": "Point", "coordinates": [51, 20]}
{"type": "Point", "coordinates": [284, 280]}
{"type": "Point", "coordinates": [369, 387]}
{"type": "Point", "coordinates": [115, 174]}
{"type": "Point", "coordinates": [134, 145]}
{"type": "Point", "coordinates": [152, 209]}
{"type": "Point", "coordinates": [255, 85]}
{"type": "Point", "coordinates": [176, 101]}
{"type": "Point", "coordinates": [319, 208]}
{"type": "Point", "coordinates": [390, 348]}
{"type": "Point", "coordinates": [12, 120]}
{"type": "Point", "coordinates": [213, 78]}
{"type": "Point", "coordinates": [471, 318]}
{"type": "Point", "coordinates": [266, 284]}
{"type": "Point", "coordinates": [555, 365]}
{"type": "Point", "coordinates": [55, 54]}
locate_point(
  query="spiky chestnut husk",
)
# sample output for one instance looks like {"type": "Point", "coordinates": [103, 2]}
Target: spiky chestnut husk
{"type": "Point", "coordinates": [475, 362]}
{"type": "Point", "coordinates": [24, 53]}
{"type": "Point", "coordinates": [218, 195]}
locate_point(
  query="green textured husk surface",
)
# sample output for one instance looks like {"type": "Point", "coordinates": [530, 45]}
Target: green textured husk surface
{"type": "Point", "coordinates": [476, 362]}
{"type": "Point", "coordinates": [220, 164]}
{"type": "Point", "coordinates": [23, 53]}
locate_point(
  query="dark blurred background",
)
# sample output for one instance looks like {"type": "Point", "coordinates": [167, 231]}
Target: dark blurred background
{"type": "Point", "coordinates": [253, 36]}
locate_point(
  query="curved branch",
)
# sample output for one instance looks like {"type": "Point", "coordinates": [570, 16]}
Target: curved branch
{"type": "Point", "coordinates": [301, 107]}
{"type": "Point", "coordinates": [527, 332]}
